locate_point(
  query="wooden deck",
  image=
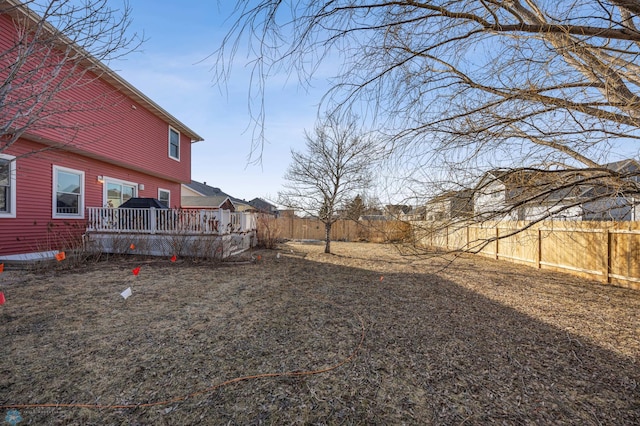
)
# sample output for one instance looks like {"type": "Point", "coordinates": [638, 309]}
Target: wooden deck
{"type": "Point", "coordinates": [164, 232]}
{"type": "Point", "coordinates": [169, 221]}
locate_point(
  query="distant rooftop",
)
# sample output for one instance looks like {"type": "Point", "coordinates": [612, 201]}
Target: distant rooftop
{"type": "Point", "coordinates": [262, 205]}
{"type": "Point", "coordinates": [211, 191]}
{"type": "Point", "coordinates": [204, 189]}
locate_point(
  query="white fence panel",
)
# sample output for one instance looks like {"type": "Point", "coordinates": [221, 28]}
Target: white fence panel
{"type": "Point", "coordinates": [168, 221]}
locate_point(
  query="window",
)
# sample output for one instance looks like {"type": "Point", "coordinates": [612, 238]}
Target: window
{"type": "Point", "coordinates": [7, 186]}
{"type": "Point", "coordinates": [68, 193]}
{"type": "Point", "coordinates": [164, 197]}
{"type": "Point", "coordinates": [118, 191]}
{"type": "Point", "coordinates": [174, 143]}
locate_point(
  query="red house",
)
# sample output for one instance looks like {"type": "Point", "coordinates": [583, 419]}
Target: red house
{"type": "Point", "coordinates": [115, 144]}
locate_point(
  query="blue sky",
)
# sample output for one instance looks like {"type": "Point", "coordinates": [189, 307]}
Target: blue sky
{"type": "Point", "coordinates": [172, 69]}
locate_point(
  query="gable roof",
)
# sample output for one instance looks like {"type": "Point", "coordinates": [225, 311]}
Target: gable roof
{"type": "Point", "coordinates": [16, 8]}
{"type": "Point", "coordinates": [211, 191]}
{"type": "Point", "coordinates": [204, 189]}
{"type": "Point", "coordinates": [540, 185]}
{"type": "Point", "coordinates": [452, 195]}
{"type": "Point", "coordinates": [517, 178]}
{"type": "Point", "coordinates": [629, 165]}
{"type": "Point", "coordinates": [525, 185]}
{"type": "Point", "coordinates": [207, 201]}
{"type": "Point", "coordinates": [262, 205]}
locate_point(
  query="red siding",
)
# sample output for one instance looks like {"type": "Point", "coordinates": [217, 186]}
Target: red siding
{"type": "Point", "coordinates": [106, 123]}
{"type": "Point", "coordinates": [33, 228]}
{"type": "Point", "coordinates": [129, 137]}
{"type": "Point", "coordinates": [104, 132]}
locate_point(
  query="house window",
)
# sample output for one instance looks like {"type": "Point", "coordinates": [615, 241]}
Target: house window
{"type": "Point", "coordinates": [68, 193]}
{"type": "Point", "coordinates": [174, 143]}
{"type": "Point", "coordinates": [7, 186]}
{"type": "Point", "coordinates": [164, 197]}
{"type": "Point", "coordinates": [117, 192]}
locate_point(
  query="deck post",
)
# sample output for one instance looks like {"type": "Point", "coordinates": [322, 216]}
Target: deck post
{"type": "Point", "coordinates": [152, 220]}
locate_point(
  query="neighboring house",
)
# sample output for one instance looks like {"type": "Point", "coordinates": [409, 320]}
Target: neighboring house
{"type": "Point", "coordinates": [585, 194]}
{"type": "Point", "coordinates": [624, 206]}
{"type": "Point", "coordinates": [199, 189]}
{"type": "Point", "coordinates": [415, 214]}
{"type": "Point", "coordinates": [396, 211]}
{"type": "Point", "coordinates": [261, 206]}
{"type": "Point", "coordinates": [449, 206]}
{"type": "Point", "coordinates": [200, 195]}
{"type": "Point", "coordinates": [128, 147]}
{"type": "Point", "coordinates": [217, 202]}
{"type": "Point", "coordinates": [629, 167]}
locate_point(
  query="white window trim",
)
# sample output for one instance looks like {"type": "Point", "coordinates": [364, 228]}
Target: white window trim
{"type": "Point", "coordinates": [54, 192]}
{"type": "Point", "coordinates": [169, 143]}
{"type": "Point", "coordinates": [168, 192]}
{"type": "Point", "coordinates": [108, 180]}
{"type": "Point", "coordinates": [12, 185]}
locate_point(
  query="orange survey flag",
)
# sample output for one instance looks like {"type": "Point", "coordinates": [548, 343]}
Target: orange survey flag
{"type": "Point", "coordinates": [136, 271]}
{"type": "Point", "coordinates": [60, 256]}
{"type": "Point", "coordinates": [174, 258]}
{"type": "Point", "coordinates": [132, 246]}
{"type": "Point", "coordinates": [1, 268]}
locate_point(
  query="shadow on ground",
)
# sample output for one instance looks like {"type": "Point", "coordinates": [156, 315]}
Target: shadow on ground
{"type": "Point", "coordinates": [434, 352]}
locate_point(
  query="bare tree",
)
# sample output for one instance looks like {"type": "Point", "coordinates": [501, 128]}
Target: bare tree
{"type": "Point", "coordinates": [465, 87]}
{"type": "Point", "coordinates": [335, 167]}
{"type": "Point", "coordinates": [59, 46]}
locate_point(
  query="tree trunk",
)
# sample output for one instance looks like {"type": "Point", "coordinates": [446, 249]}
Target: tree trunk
{"type": "Point", "coordinates": [327, 238]}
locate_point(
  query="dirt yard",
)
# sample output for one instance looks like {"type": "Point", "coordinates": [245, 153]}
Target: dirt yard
{"type": "Point", "coordinates": [363, 336]}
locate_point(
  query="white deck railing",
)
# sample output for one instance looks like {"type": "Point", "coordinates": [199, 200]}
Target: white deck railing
{"type": "Point", "coordinates": [168, 221]}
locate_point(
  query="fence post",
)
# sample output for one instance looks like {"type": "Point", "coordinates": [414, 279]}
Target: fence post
{"type": "Point", "coordinates": [497, 239]}
{"type": "Point", "coordinates": [468, 243]}
{"type": "Point", "coordinates": [431, 237]}
{"type": "Point", "coordinates": [607, 263]}
{"type": "Point", "coordinates": [539, 254]}
{"type": "Point", "coordinates": [446, 235]}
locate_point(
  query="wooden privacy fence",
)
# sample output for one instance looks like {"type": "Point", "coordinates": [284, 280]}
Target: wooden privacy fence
{"type": "Point", "coordinates": [606, 251]}
{"type": "Point", "coordinates": [297, 228]}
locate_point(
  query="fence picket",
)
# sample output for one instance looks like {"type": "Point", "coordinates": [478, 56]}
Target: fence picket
{"type": "Point", "coordinates": [596, 250]}
{"type": "Point", "coordinates": [168, 221]}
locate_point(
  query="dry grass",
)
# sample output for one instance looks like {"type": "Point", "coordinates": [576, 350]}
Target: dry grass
{"type": "Point", "coordinates": [478, 342]}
